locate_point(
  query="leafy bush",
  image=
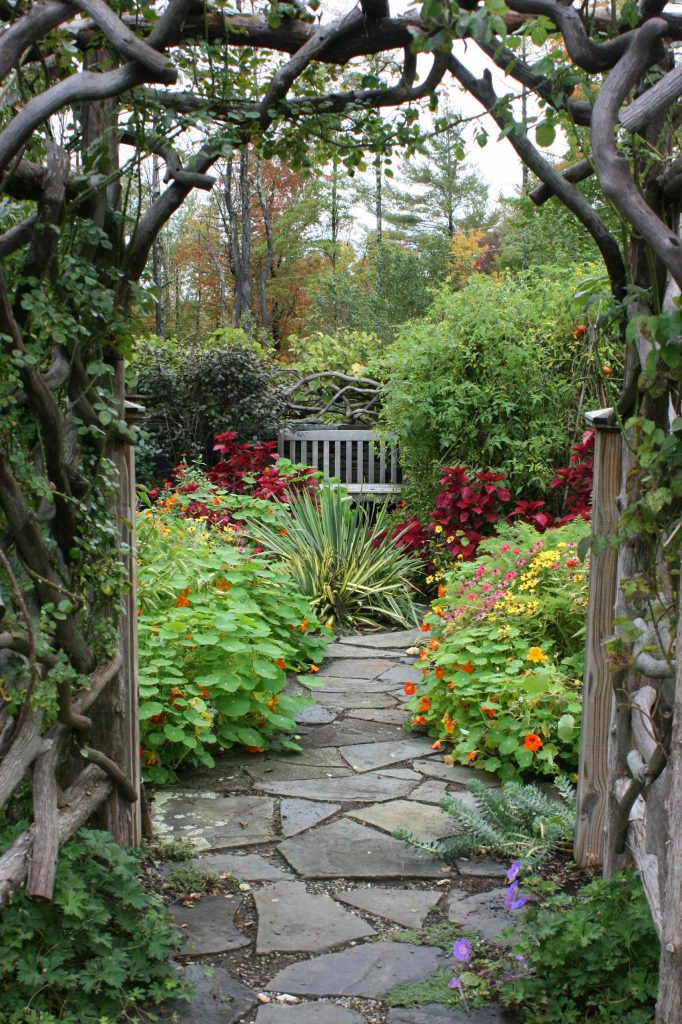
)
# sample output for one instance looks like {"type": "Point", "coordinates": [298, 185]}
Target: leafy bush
{"type": "Point", "coordinates": [327, 544]}
{"type": "Point", "coordinates": [591, 958]}
{"type": "Point", "coordinates": [218, 629]}
{"type": "Point", "coordinates": [514, 821]}
{"type": "Point", "coordinates": [190, 396]}
{"type": "Point", "coordinates": [488, 378]}
{"type": "Point", "coordinates": [348, 351]}
{"type": "Point", "coordinates": [503, 668]}
{"type": "Point", "coordinates": [99, 949]}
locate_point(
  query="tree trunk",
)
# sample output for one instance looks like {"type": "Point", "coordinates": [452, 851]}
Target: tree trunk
{"type": "Point", "coordinates": [245, 193]}
{"type": "Point", "coordinates": [268, 260]}
{"type": "Point", "coordinates": [157, 258]}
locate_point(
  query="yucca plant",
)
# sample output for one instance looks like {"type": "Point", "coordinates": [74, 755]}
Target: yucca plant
{"type": "Point", "coordinates": [326, 542]}
{"type": "Point", "coordinates": [516, 821]}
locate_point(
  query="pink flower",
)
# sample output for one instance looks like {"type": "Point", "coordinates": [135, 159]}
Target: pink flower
{"type": "Point", "coordinates": [506, 547]}
{"type": "Point", "coordinates": [486, 586]}
{"type": "Point", "coordinates": [510, 576]}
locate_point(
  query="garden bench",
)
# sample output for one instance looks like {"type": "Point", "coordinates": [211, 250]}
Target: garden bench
{"type": "Point", "coordinates": [363, 464]}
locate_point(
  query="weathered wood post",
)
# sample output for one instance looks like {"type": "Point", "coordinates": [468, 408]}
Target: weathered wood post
{"type": "Point", "coordinates": [115, 719]}
{"type": "Point", "coordinates": [598, 699]}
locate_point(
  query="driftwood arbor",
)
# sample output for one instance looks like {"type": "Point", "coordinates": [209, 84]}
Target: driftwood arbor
{"type": "Point", "coordinates": [78, 80]}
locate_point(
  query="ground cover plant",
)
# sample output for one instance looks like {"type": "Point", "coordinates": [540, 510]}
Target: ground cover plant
{"type": "Point", "coordinates": [502, 654]}
{"type": "Point", "coordinates": [219, 628]}
{"type": "Point", "coordinates": [589, 958]}
{"type": "Point", "coordinates": [98, 951]}
{"type": "Point", "coordinates": [328, 545]}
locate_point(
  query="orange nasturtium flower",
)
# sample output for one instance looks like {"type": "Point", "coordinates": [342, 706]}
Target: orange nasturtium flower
{"type": "Point", "coordinates": [304, 625]}
{"type": "Point", "coordinates": [532, 742]}
{"type": "Point", "coordinates": [425, 628]}
{"type": "Point", "coordinates": [204, 691]}
{"type": "Point", "coordinates": [466, 668]}
{"type": "Point", "coordinates": [535, 654]}
{"type": "Point", "coordinates": [314, 668]}
{"type": "Point", "coordinates": [436, 745]}
{"type": "Point", "coordinates": [419, 720]}
{"type": "Point", "coordinates": [424, 704]}
{"type": "Point", "coordinates": [580, 330]}
{"type": "Point", "coordinates": [490, 712]}
{"type": "Point", "coordinates": [409, 689]}
{"type": "Point", "coordinates": [448, 724]}
{"type": "Point", "coordinates": [440, 672]}
{"type": "Point", "coordinates": [272, 704]}
{"type": "Point", "coordinates": [221, 584]}
{"type": "Point", "coordinates": [441, 590]}
{"type": "Point", "coordinates": [435, 644]}
{"type": "Point", "coordinates": [472, 755]}
{"type": "Point", "coordinates": [183, 599]}
{"type": "Point", "coordinates": [280, 663]}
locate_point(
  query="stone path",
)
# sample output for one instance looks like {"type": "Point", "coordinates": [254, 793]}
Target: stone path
{"type": "Point", "coordinates": [325, 886]}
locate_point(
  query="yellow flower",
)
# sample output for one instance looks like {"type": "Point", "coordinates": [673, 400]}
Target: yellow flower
{"type": "Point", "coordinates": [535, 654]}
{"type": "Point", "coordinates": [438, 529]}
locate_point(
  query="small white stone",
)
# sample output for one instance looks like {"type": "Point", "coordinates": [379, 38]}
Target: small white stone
{"type": "Point", "coordinates": [262, 997]}
{"type": "Point", "coordinates": [285, 998]}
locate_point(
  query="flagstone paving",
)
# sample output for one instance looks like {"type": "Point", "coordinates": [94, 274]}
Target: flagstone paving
{"type": "Point", "coordinates": [325, 886]}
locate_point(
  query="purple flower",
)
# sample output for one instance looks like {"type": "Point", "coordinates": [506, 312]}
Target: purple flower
{"type": "Point", "coordinates": [462, 950]}
{"type": "Point", "coordinates": [520, 957]}
{"type": "Point", "coordinates": [514, 870]}
{"type": "Point", "coordinates": [455, 983]}
{"type": "Point", "coordinates": [511, 900]}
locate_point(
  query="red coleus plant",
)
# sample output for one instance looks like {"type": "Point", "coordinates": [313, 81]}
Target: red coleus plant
{"type": "Point", "coordinates": [576, 480]}
{"type": "Point", "coordinates": [467, 508]}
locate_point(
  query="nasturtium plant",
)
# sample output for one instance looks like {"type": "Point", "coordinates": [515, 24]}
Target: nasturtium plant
{"type": "Point", "coordinates": [503, 652]}
{"type": "Point", "coordinates": [219, 628]}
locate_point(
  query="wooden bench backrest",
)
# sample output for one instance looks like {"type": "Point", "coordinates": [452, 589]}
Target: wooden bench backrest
{"type": "Point", "coordinates": [356, 457]}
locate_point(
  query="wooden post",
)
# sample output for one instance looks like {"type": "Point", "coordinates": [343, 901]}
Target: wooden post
{"type": "Point", "coordinates": [115, 717]}
{"type": "Point", "coordinates": [593, 794]}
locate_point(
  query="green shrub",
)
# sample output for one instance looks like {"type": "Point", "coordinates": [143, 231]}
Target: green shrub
{"type": "Point", "coordinates": [99, 949]}
{"type": "Point", "coordinates": [327, 544]}
{"type": "Point", "coordinates": [218, 628]}
{"type": "Point", "coordinates": [515, 821]}
{"type": "Point", "coordinates": [490, 379]}
{"type": "Point", "coordinates": [227, 383]}
{"type": "Point", "coordinates": [350, 352]}
{"type": "Point", "coordinates": [503, 654]}
{"type": "Point", "coordinates": [592, 957]}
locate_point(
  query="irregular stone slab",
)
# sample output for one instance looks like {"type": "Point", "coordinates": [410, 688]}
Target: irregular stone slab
{"type": "Point", "coordinates": [396, 717]}
{"type": "Point", "coordinates": [217, 999]}
{"type": "Point", "coordinates": [209, 926]}
{"type": "Point", "coordinates": [346, 849]}
{"type": "Point", "coordinates": [212, 821]}
{"type": "Point", "coordinates": [400, 773]}
{"type": "Point", "coordinates": [481, 868]}
{"type": "Point", "coordinates": [316, 714]}
{"type": "Point", "coordinates": [430, 792]}
{"type": "Point", "coordinates": [401, 674]}
{"type": "Point", "coordinates": [401, 696]}
{"type": "Point", "coordinates": [343, 650]}
{"type": "Point", "coordinates": [349, 732]}
{"type": "Point", "coordinates": [308, 1013]}
{"type": "Point", "coordinates": [361, 788]}
{"type": "Point", "coordinates": [425, 823]}
{"type": "Point", "coordinates": [483, 913]}
{"type": "Point", "coordinates": [339, 684]}
{"type": "Point", "coordinates": [364, 758]}
{"type": "Point", "coordinates": [292, 920]}
{"type": "Point", "coordinates": [400, 638]}
{"type": "Point", "coordinates": [358, 700]}
{"type": "Point", "coordinates": [457, 773]}
{"type": "Point", "coordinates": [435, 1013]}
{"type": "Point", "coordinates": [298, 815]}
{"type": "Point", "coordinates": [247, 867]}
{"type": "Point", "coordinates": [326, 757]}
{"type": "Point", "coordinates": [357, 668]}
{"type": "Point", "coordinates": [409, 907]}
{"type": "Point", "coordinates": [287, 771]}
{"type": "Point", "coordinates": [370, 970]}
